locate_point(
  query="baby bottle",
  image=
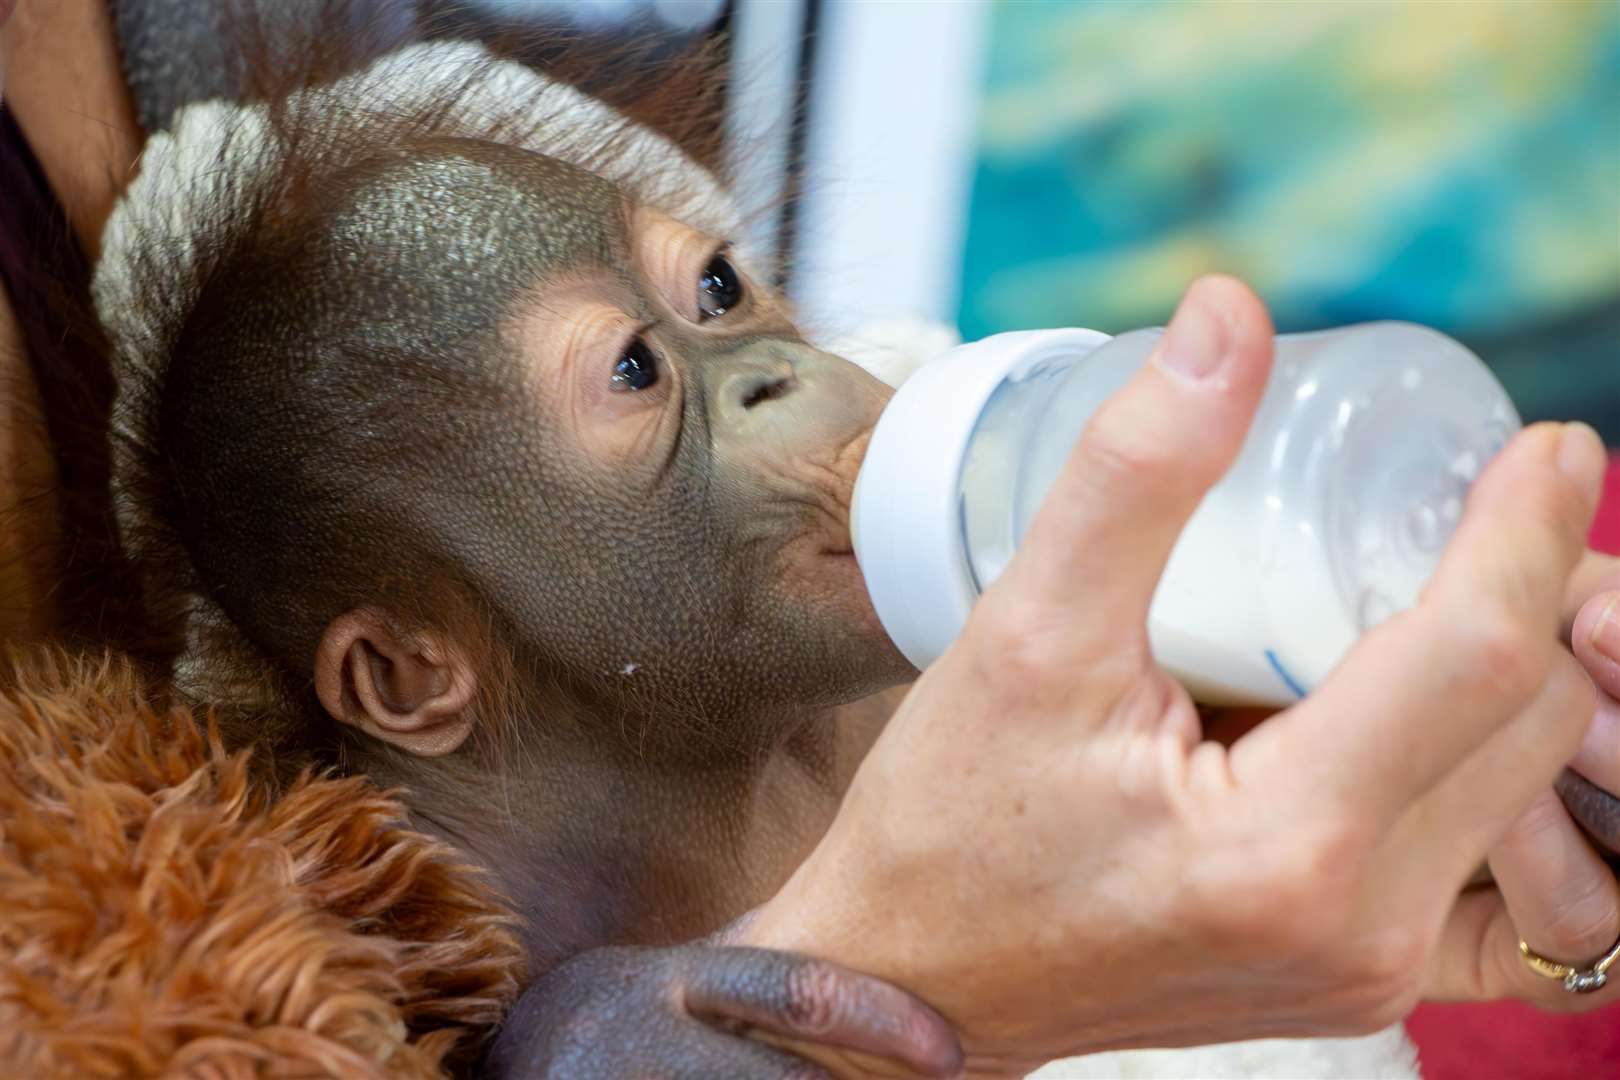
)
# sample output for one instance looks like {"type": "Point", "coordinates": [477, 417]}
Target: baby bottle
{"type": "Point", "coordinates": [1332, 518]}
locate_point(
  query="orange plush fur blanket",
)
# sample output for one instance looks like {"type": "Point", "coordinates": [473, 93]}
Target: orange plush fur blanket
{"type": "Point", "coordinates": [167, 911]}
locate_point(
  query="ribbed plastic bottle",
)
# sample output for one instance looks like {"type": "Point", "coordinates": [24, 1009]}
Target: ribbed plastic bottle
{"type": "Point", "coordinates": [1332, 518]}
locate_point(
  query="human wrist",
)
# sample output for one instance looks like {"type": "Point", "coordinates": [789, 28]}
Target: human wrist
{"type": "Point", "coordinates": [789, 922]}
{"type": "Point", "coordinates": [817, 922]}
{"type": "Point", "coordinates": [793, 921]}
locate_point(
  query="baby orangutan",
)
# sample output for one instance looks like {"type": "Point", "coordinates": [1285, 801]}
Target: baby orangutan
{"type": "Point", "coordinates": [462, 448]}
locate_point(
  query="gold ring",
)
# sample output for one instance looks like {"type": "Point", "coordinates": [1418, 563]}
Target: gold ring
{"type": "Point", "coordinates": [1576, 980]}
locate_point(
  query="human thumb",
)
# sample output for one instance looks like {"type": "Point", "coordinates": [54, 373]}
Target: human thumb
{"type": "Point", "coordinates": [1146, 459]}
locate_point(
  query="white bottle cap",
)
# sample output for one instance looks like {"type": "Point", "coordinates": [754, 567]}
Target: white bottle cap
{"type": "Point", "coordinates": [906, 513]}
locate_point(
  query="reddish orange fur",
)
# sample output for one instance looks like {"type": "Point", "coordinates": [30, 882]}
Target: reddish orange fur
{"type": "Point", "coordinates": [165, 912]}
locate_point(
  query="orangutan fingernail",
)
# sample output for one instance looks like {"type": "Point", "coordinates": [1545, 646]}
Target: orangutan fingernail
{"type": "Point", "coordinates": [1606, 632]}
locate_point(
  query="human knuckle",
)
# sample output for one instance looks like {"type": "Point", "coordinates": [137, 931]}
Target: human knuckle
{"type": "Point", "coordinates": [1542, 818]}
{"type": "Point", "coordinates": [1001, 625]}
{"type": "Point", "coordinates": [1117, 451]}
{"type": "Point", "coordinates": [1577, 932]}
{"type": "Point", "coordinates": [1017, 647]}
{"type": "Point", "coordinates": [1500, 655]}
{"type": "Point", "coordinates": [1582, 924]}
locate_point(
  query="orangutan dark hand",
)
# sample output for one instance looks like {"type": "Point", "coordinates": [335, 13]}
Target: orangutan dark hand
{"type": "Point", "coordinates": [697, 1012]}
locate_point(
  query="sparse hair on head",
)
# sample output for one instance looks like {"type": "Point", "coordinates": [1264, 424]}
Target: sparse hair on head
{"type": "Point", "coordinates": [223, 199]}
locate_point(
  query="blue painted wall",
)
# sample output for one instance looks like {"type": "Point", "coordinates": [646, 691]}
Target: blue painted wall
{"type": "Point", "coordinates": [1453, 164]}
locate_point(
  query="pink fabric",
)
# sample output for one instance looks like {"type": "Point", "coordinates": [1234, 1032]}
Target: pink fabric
{"type": "Point", "coordinates": [1509, 1041]}
{"type": "Point", "coordinates": [1606, 533]}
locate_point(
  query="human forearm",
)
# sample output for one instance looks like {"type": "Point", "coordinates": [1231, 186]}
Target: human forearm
{"type": "Point", "coordinates": [28, 522]}
{"type": "Point", "coordinates": [64, 83]}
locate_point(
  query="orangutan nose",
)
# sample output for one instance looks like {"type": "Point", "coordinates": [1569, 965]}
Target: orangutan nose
{"type": "Point", "coordinates": [750, 389]}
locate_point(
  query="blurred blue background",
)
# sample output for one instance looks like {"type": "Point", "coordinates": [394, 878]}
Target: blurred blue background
{"type": "Point", "coordinates": [1014, 164]}
{"type": "Point", "coordinates": [1457, 165]}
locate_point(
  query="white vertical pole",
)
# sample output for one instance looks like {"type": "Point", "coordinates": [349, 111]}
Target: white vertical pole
{"type": "Point", "coordinates": [767, 42]}
{"type": "Point", "coordinates": [889, 160]}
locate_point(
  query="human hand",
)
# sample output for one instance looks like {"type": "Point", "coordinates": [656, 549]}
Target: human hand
{"type": "Point", "coordinates": [1552, 881]}
{"type": "Point", "coordinates": [698, 1011]}
{"type": "Point", "coordinates": [1592, 787]}
{"type": "Point", "coordinates": [1042, 845]}
{"type": "Point", "coordinates": [1550, 887]}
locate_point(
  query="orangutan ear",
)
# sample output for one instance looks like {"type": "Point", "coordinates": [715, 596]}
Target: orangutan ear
{"type": "Point", "coordinates": [416, 695]}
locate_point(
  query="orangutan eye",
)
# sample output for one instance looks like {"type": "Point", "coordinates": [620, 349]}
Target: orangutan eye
{"type": "Point", "coordinates": [637, 369]}
{"type": "Point", "coordinates": [719, 289]}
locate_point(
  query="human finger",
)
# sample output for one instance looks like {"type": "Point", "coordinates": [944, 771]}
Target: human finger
{"type": "Point", "coordinates": [1524, 529]}
{"type": "Point", "coordinates": [1595, 573]}
{"type": "Point", "coordinates": [1598, 757]}
{"type": "Point", "coordinates": [1595, 637]}
{"type": "Point", "coordinates": [1422, 692]}
{"type": "Point", "coordinates": [1561, 896]}
{"type": "Point", "coordinates": [1477, 959]}
{"type": "Point", "coordinates": [1105, 530]}
{"type": "Point", "coordinates": [1453, 825]}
